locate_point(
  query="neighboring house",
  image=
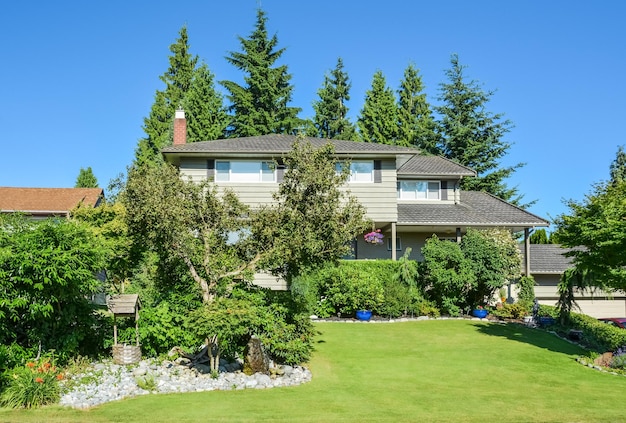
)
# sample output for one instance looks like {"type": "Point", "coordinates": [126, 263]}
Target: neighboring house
{"type": "Point", "coordinates": [408, 196]}
{"type": "Point", "coordinates": [548, 263]}
{"type": "Point", "coordinates": [42, 203]}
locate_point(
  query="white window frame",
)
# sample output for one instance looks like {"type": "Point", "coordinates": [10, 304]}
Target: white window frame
{"type": "Point", "coordinates": [245, 171]}
{"type": "Point", "coordinates": [429, 194]}
{"type": "Point", "coordinates": [357, 176]}
{"type": "Point", "coordinates": [398, 244]}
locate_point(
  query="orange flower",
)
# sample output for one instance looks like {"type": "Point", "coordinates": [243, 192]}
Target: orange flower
{"type": "Point", "coordinates": [39, 380]}
{"type": "Point", "coordinates": [30, 364]}
{"type": "Point", "coordinates": [60, 376]}
{"type": "Point", "coordinates": [47, 365]}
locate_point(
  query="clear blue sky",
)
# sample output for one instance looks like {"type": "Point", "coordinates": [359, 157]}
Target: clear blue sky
{"type": "Point", "coordinates": [78, 77]}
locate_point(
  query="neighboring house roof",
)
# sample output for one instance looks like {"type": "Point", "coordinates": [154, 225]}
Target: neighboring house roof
{"type": "Point", "coordinates": [425, 166]}
{"type": "Point", "coordinates": [475, 209]}
{"type": "Point", "coordinates": [282, 144]}
{"type": "Point", "coordinates": [547, 258]}
{"type": "Point", "coordinates": [47, 201]}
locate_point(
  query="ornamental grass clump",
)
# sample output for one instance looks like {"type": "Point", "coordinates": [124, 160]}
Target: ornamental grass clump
{"type": "Point", "coordinates": [34, 385]}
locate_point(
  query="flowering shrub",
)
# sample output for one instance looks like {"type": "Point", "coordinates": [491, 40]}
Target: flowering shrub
{"type": "Point", "coordinates": [374, 237]}
{"type": "Point", "coordinates": [33, 385]}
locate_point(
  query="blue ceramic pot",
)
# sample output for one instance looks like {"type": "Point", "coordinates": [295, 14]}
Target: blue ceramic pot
{"type": "Point", "coordinates": [364, 315]}
{"type": "Point", "coordinates": [480, 313]}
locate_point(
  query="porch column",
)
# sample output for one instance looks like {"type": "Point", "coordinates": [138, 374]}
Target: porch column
{"type": "Point", "coordinates": [526, 252]}
{"type": "Point", "coordinates": [393, 241]}
{"type": "Point", "coordinates": [458, 235]}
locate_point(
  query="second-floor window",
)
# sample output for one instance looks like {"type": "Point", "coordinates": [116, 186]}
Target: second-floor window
{"type": "Point", "coordinates": [244, 171]}
{"type": "Point", "coordinates": [419, 190]}
{"type": "Point", "coordinates": [360, 170]}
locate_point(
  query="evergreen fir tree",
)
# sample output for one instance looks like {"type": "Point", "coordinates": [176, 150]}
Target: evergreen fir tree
{"type": "Point", "coordinates": [472, 136]}
{"type": "Point", "coordinates": [618, 167]}
{"type": "Point", "coordinates": [86, 179]}
{"type": "Point", "coordinates": [261, 106]}
{"type": "Point", "coordinates": [416, 125]}
{"type": "Point", "coordinates": [331, 113]}
{"type": "Point", "coordinates": [206, 114]}
{"type": "Point", "coordinates": [378, 120]}
{"type": "Point", "coordinates": [158, 125]}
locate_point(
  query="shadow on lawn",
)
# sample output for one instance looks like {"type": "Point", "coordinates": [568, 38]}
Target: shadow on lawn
{"type": "Point", "coordinates": [536, 337]}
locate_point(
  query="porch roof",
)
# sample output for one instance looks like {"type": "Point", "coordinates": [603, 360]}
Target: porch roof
{"type": "Point", "coordinates": [474, 209]}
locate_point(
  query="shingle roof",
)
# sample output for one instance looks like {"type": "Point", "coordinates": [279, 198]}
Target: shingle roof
{"type": "Point", "coordinates": [47, 200]}
{"type": "Point", "coordinates": [475, 209]}
{"type": "Point", "coordinates": [547, 258]}
{"type": "Point", "coordinates": [281, 144]}
{"type": "Point", "coordinates": [433, 165]}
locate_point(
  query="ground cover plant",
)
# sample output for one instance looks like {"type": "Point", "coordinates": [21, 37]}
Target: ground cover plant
{"type": "Point", "coordinates": [437, 370]}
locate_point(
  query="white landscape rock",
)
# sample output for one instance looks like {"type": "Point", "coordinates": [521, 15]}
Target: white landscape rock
{"type": "Point", "coordinates": [105, 381]}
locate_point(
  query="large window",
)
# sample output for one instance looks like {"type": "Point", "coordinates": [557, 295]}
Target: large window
{"type": "Point", "coordinates": [419, 190]}
{"type": "Point", "coordinates": [360, 170]}
{"type": "Point", "coordinates": [244, 171]}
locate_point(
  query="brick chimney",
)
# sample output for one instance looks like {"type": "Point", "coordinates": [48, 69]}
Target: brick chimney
{"type": "Point", "coordinates": [180, 127]}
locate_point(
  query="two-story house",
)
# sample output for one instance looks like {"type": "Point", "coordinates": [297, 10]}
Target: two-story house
{"type": "Point", "coordinates": [407, 195]}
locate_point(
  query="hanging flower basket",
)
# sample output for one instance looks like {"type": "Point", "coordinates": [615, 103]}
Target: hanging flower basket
{"type": "Point", "coordinates": [374, 237]}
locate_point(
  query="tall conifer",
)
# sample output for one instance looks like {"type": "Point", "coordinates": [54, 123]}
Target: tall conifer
{"type": "Point", "coordinates": [472, 136]}
{"type": "Point", "coordinates": [261, 105]}
{"type": "Point", "coordinates": [158, 125]}
{"type": "Point", "coordinates": [378, 121]}
{"type": "Point", "coordinates": [207, 118]}
{"type": "Point", "coordinates": [331, 112]}
{"type": "Point", "coordinates": [416, 125]}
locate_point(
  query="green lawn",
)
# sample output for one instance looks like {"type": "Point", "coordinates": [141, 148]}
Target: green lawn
{"type": "Point", "coordinates": [425, 371]}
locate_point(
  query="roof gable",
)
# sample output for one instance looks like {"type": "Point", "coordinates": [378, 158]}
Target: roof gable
{"type": "Point", "coordinates": [433, 165]}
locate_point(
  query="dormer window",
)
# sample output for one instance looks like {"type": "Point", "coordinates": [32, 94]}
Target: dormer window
{"type": "Point", "coordinates": [419, 190]}
{"type": "Point", "coordinates": [244, 171]}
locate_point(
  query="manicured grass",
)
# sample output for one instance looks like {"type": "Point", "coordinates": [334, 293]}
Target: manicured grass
{"type": "Point", "coordinates": [426, 371]}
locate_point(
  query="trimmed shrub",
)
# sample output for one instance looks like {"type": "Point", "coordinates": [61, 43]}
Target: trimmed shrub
{"type": "Point", "coordinates": [384, 286]}
{"type": "Point", "coordinates": [598, 335]}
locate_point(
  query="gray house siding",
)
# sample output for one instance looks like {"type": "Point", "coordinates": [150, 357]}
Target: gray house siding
{"type": "Point", "coordinates": [380, 199]}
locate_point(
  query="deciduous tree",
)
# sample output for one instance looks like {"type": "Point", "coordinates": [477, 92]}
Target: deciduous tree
{"type": "Point", "coordinates": [219, 239]}
{"type": "Point", "coordinates": [48, 271]}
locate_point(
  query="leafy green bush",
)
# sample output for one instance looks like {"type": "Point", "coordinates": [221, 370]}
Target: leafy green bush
{"type": "Point", "coordinates": [48, 271]}
{"type": "Point", "coordinates": [510, 311]}
{"type": "Point", "coordinates": [386, 287]}
{"type": "Point", "coordinates": [32, 385]}
{"type": "Point", "coordinates": [350, 288]}
{"type": "Point", "coordinates": [286, 332]}
{"type": "Point", "coordinates": [160, 328]}
{"type": "Point", "coordinates": [598, 334]}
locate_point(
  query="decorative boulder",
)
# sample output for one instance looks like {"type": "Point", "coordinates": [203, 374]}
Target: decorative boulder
{"type": "Point", "coordinates": [255, 361]}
